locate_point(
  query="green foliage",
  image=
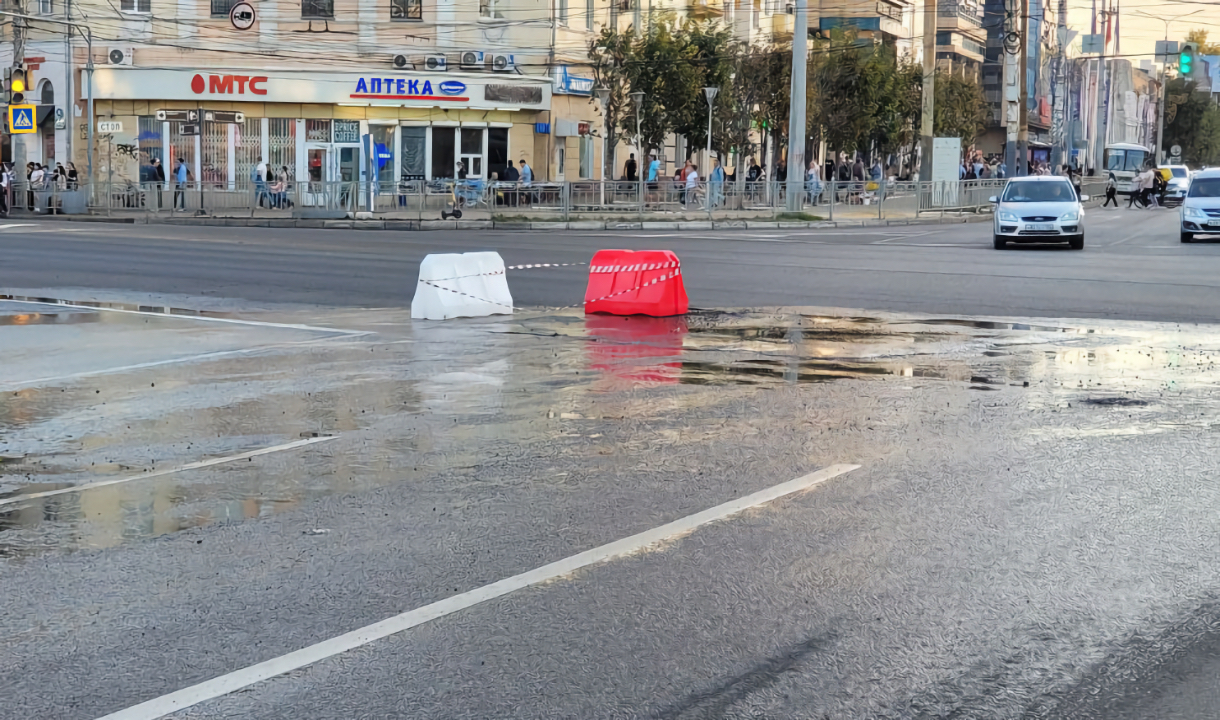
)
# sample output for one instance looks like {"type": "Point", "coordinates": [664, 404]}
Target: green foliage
{"type": "Point", "coordinates": [1192, 120]}
{"type": "Point", "coordinates": [1205, 47]}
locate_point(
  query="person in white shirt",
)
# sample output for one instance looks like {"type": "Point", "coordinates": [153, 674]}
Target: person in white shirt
{"type": "Point", "coordinates": [692, 183]}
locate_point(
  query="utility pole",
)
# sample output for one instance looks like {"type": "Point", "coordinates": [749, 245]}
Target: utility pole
{"type": "Point", "coordinates": [1023, 129]}
{"type": "Point", "coordinates": [19, 59]}
{"type": "Point", "coordinates": [1164, 58]}
{"type": "Point", "coordinates": [1013, 75]}
{"type": "Point", "coordinates": [928, 113]}
{"type": "Point", "coordinates": [796, 112]}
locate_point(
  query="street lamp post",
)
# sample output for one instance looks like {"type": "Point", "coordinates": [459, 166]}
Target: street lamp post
{"type": "Point", "coordinates": [637, 97]}
{"type": "Point", "coordinates": [603, 94]}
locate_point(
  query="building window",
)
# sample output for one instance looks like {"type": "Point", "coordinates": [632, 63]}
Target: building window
{"type": "Point", "coordinates": [151, 147]}
{"type": "Point", "coordinates": [44, 7]}
{"type": "Point", "coordinates": [443, 145]}
{"type": "Point", "coordinates": [136, 6]}
{"type": "Point", "coordinates": [383, 153]}
{"type": "Point", "coordinates": [247, 149]}
{"type": "Point", "coordinates": [561, 9]}
{"type": "Point", "coordinates": [561, 157]}
{"type": "Point", "coordinates": [347, 132]}
{"type": "Point", "coordinates": [414, 143]}
{"type": "Point", "coordinates": [497, 151]}
{"type": "Point", "coordinates": [46, 96]}
{"type": "Point", "coordinates": [317, 131]}
{"type": "Point", "coordinates": [406, 10]}
{"type": "Point", "coordinates": [586, 157]}
{"type": "Point", "coordinates": [282, 145]}
{"type": "Point", "coordinates": [492, 8]}
{"type": "Point", "coordinates": [221, 8]}
{"type": "Point", "coordinates": [214, 143]}
{"type": "Point", "coordinates": [314, 8]}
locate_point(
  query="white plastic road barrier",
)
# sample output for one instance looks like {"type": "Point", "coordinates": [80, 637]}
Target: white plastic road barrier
{"type": "Point", "coordinates": [465, 285]}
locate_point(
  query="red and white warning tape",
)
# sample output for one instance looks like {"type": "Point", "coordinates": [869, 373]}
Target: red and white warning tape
{"type": "Point", "coordinates": [533, 266]}
{"type": "Point", "coordinates": [459, 292]}
{"type": "Point", "coordinates": [644, 267]}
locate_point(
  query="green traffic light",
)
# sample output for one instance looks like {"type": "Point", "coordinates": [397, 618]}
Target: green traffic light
{"type": "Point", "coordinates": [1185, 59]}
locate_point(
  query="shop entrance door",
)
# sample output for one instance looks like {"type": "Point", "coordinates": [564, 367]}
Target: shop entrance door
{"type": "Point", "coordinates": [318, 166]}
{"type": "Point", "coordinates": [348, 173]}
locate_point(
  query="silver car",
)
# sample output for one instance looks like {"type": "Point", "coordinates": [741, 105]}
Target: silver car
{"type": "Point", "coordinates": [1175, 188]}
{"type": "Point", "coordinates": [1038, 210]}
{"type": "Point", "coordinates": [1201, 208]}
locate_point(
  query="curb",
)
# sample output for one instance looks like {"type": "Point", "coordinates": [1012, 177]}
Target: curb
{"type": "Point", "coordinates": [432, 225]}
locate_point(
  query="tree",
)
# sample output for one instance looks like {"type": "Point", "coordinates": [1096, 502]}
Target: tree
{"type": "Point", "coordinates": [1192, 121]}
{"type": "Point", "coordinates": [1199, 35]}
{"type": "Point", "coordinates": [712, 58]}
{"type": "Point", "coordinates": [611, 54]}
{"type": "Point", "coordinates": [961, 108]}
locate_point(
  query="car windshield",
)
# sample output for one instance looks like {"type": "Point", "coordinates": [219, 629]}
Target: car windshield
{"type": "Point", "coordinates": [1205, 188]}
{"type": "Point", "coordinates": [1178, 172]}
{"type": "Point", "coordinates": [1038, 191]}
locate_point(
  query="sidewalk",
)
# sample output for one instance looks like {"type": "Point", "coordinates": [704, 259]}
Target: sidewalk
{"type": "Point", "coordinates": [373, 223]}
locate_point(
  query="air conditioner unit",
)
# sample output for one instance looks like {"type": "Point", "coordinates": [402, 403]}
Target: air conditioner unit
{"type": "Point", "coordinates": [401, 61]}
{"type": "Point", "coordinates": [472, 59]}
{"type": "Point", "coordinates": [121, 56]}
{"type": "Point", "coordinates": [503, 63]}
{"type": "Point", "coordinates": [436, 63]}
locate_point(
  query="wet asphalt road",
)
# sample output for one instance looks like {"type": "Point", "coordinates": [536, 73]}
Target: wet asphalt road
{"type": "Point", "coordinates": [1031, 532]}
{"type": "Point", "coordinates": [1133, 267]}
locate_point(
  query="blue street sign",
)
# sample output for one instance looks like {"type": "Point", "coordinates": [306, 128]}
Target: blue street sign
{"type": "Point", "coordinates": [21, 119]}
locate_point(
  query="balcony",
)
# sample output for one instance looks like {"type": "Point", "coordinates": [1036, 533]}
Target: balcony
{"type": "Point", "coordinates": [965, 11]}
{"type": "Point", "coordinates": [706, 9]}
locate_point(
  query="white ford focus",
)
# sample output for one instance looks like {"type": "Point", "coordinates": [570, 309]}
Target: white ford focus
{"type": "Point", "coordinates": [1038, 210]}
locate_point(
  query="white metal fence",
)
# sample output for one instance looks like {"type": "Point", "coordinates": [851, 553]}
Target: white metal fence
{"type": "Point", "coordinates": [608, 200]}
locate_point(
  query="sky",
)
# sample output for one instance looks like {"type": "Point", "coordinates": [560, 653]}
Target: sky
{"type": "Point", "coordinates": [1139, 32]}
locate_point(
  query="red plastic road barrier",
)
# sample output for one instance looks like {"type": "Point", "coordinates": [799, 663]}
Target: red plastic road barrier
{"type": "Point", "coordinates": [645, 282]}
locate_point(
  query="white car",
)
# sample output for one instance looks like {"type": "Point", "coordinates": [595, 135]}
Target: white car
{"type": "Point", "coordinates": [1201, 208]}
{"type": "Point", "coordinates": [1037, 210]}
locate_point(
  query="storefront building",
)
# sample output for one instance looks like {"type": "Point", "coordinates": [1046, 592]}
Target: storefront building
{"type": "Point", "coordinates": [322, 127]}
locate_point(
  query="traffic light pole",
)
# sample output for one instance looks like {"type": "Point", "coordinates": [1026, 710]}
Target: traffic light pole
{"type": "Point", "coordinates": [18, 60]}
{"type": "Point", "coordinates": [19, 57]}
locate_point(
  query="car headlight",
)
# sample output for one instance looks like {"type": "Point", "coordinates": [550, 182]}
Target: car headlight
{"type": "Point", "coordinates": [1194, 212]}
{"type": "Point", "coordinates": [1070, 216]}
{"type": "Point", "coordinates": [1006, 216]}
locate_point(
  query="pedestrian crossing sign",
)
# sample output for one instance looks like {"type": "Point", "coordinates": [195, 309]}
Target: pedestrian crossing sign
{"type": "Point", "coordinates": [21, 119]}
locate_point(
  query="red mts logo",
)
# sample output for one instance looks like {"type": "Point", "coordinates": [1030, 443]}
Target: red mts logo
{"type": "Point", "coordinates": [224, 84]}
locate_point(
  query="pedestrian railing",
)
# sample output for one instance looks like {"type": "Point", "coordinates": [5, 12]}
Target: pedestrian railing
{"type": "Point", "coordinates": [666, 199]}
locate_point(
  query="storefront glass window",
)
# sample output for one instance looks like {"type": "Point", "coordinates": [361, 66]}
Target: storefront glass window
{"type": "Point", "coordinates": [472, 151]}
{"type": "Point", "coordinates": [180, 146]}
{"type": "Point", "coordinates": [151, 147]}
{"type": "Point", "coordinates": [282, 144]}
{"type": "Point", "coordinates": [414, 152]}
{"type": "Point", "coordinates": [443, 146]}
{"type": "Point", "coordinates": [497, 151]}
{"type": "Point", "coordinates": [317, 131]}
{"type": "Point", "coordinates": [346, 131]}
{"type": "Point", "coordinates": [248, 146]}
{"type": "Point", "coordinates": [215, 146]}
{"type": "Point", "coordinates": [383, 151]}
{"type": "Point", "coordinates": [586, 157]}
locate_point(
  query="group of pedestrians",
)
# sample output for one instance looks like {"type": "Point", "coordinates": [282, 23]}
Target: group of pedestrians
{"type": "Point", "coordinates": [1148, 190]}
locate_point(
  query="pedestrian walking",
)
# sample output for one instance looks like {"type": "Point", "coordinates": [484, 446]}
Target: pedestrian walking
{"type": "Point", "coordinates": [74, 177]}
{"type": "Point", "coordinates": [260, 181]}
{"type": "Point", "coordinates": [654, 172]}
{"type": "Point", "coordinates": [857, 170]}
{"type": "Point", "coordinates": [630, 173]}
{"type": "Point", "coordinates": [527, 178]}
{"type": "Point", "coordinates": [715, 186]}
{"type": "Point", "coordinates": [1111, 194]}
{"type": "Point", "coordinates": [158, 177]}
{"type": "Point", "coordinates": [182, 176]}
{"type": "Point", "coordinates": [511, 175]}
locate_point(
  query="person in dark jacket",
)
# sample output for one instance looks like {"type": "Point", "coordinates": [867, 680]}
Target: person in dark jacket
{"type": "Point", "coordinates": [158, 180]}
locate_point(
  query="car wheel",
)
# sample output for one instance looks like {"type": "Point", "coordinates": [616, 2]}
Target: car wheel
{"type": "Point", "coordinates": [1188, 237]}
{"type": "Point", "coordinates": [999, 242]}
{"type": "Point", "coordinates": [1076, 242]}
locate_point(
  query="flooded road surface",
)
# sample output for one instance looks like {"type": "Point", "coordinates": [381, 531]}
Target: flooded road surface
{"type": "Point", "coordinates": [189, 488]}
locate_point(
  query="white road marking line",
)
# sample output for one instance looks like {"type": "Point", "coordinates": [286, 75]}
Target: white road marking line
{"type": "Point", "coordinates": [205, 318]}
{"type": "Point", "coordinates": [237, 680]}
{"type": "Point", "coordinates": [156, 363]}
{"type": "Point", "coordinates": [17, 225]}
{"type": "Point", "coordinates": [159, 473]}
